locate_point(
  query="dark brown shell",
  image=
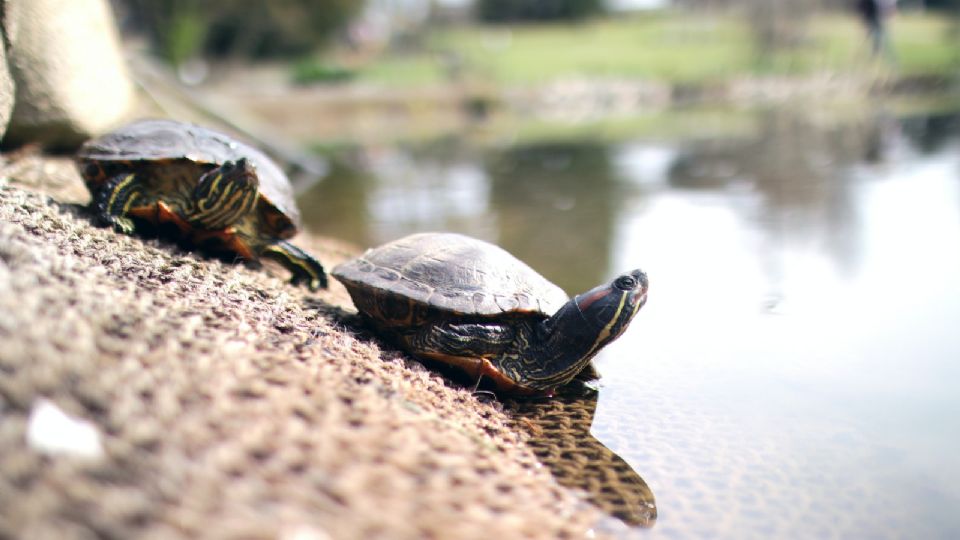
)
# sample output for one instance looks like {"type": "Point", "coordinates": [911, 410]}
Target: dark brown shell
{"type": "Point", "coordinates": [451, 273]}
{"type": "Point", "coordinates": [155, 142]}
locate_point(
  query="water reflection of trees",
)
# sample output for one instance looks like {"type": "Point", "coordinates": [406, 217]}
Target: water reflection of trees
{"type": "Point", "coordinates": [800, 172]}
{"type": "Point", "coordinates": [379, 193]}
{"type": "Point", "coordinates": [556, 205]}
{"type": "Point", "coordinates": [553, 205]}
{"type": "Point", "coordinates": [337, 206]}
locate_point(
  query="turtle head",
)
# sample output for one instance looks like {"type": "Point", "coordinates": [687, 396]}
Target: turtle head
{"type": "Point", "coordinates": [607, 310]}
{"type": "Point", "coordinates": [225, 194]}
{"type": "Point", "coordinates": [583, 326]}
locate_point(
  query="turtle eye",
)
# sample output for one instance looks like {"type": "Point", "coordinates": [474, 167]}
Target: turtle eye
{"type": "Point", "coordinates": [625, 283]}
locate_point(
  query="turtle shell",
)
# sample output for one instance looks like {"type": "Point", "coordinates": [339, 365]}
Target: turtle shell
{"type": "Point", "coordinates": [444, 274]}
{"type": "Point", "coordinates": [158, 143]}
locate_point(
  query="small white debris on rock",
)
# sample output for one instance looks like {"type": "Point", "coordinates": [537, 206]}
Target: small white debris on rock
{"type": "Point", "coordinates": [52, 431]}
{"type": "Point", "coordinates": [304, 532]}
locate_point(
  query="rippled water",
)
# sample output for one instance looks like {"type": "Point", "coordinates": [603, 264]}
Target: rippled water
{"type": "Point", "coordinates": [796, 371]}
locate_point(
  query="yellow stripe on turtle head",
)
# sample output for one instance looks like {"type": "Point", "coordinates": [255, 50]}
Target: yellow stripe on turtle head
{"type": "Point", "coordinates": [222, 199]}
{"type": "Point", "coordinates": [605, 332]}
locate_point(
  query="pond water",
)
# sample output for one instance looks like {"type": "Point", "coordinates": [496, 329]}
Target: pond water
{"type": "Point", "coordinates": [796, 371]}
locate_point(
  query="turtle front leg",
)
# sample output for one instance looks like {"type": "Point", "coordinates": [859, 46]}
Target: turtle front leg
{"type": "Point", "coordinates": [115, 199]}
{"type": "Point", "coordinates": [305, 268]}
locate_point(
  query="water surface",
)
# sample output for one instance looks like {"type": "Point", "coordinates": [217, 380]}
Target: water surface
{"type": "Point", "coordinates": [795, 371]}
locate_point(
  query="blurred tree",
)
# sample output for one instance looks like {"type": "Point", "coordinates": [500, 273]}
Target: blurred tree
{"type": "Point", "coordinates": [779, 25]}
{"type": "Point", "coordinates": [182, 29]}
{"type": "Point", "coordinates": [774, 25]}
{"type": "Point", "coordinates": [537, 10]}
{"type": "Point", "coordinates": [533, 189]}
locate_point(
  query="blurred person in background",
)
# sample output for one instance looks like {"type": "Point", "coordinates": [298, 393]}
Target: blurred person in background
{"type": "Point", "coordinates": [874, 14]}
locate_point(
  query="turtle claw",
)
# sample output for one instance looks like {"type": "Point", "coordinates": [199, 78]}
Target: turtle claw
{"type": "Point", "coordinates": [314, 284]}
{"type": "Point", "coordinates": [124, 225]}
{"type": "Point", "coordinates": [478, 393]}
{"type": "Point", "coordinates": [484, 396]}
{"type": "Point", "coordinates": [119, 223]}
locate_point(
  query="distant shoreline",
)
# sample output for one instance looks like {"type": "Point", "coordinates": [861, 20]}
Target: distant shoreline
{"type": "Point", "coordinates": [363, 112]}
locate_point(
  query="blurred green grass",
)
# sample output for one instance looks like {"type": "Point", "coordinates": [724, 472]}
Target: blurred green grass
{"type": "Point", "coordinates": [670, 46]}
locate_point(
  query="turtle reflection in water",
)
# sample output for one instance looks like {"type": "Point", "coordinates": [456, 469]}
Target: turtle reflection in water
{"type": "Point", "coordinates": [217, 191]}
{"type": "Point", "coordinates": [558, 431]}
{"type": "Point", "coordinates": [470, 304]}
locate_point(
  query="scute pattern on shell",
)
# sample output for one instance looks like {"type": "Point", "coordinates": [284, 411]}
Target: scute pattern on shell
{"type": "Point", "coordinates": [453, 273]}
{"type": "Point", "coordinates": [157, 140]}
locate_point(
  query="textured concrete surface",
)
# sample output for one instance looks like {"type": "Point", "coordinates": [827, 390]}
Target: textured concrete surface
{"type": "Point", "coordinates": [229, 403]}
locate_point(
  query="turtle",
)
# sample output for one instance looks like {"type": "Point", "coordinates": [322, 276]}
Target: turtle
{"type": "Point", "coordinates": [217, 191]}
{"type": "Point", "coordinates": [467, 303]}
